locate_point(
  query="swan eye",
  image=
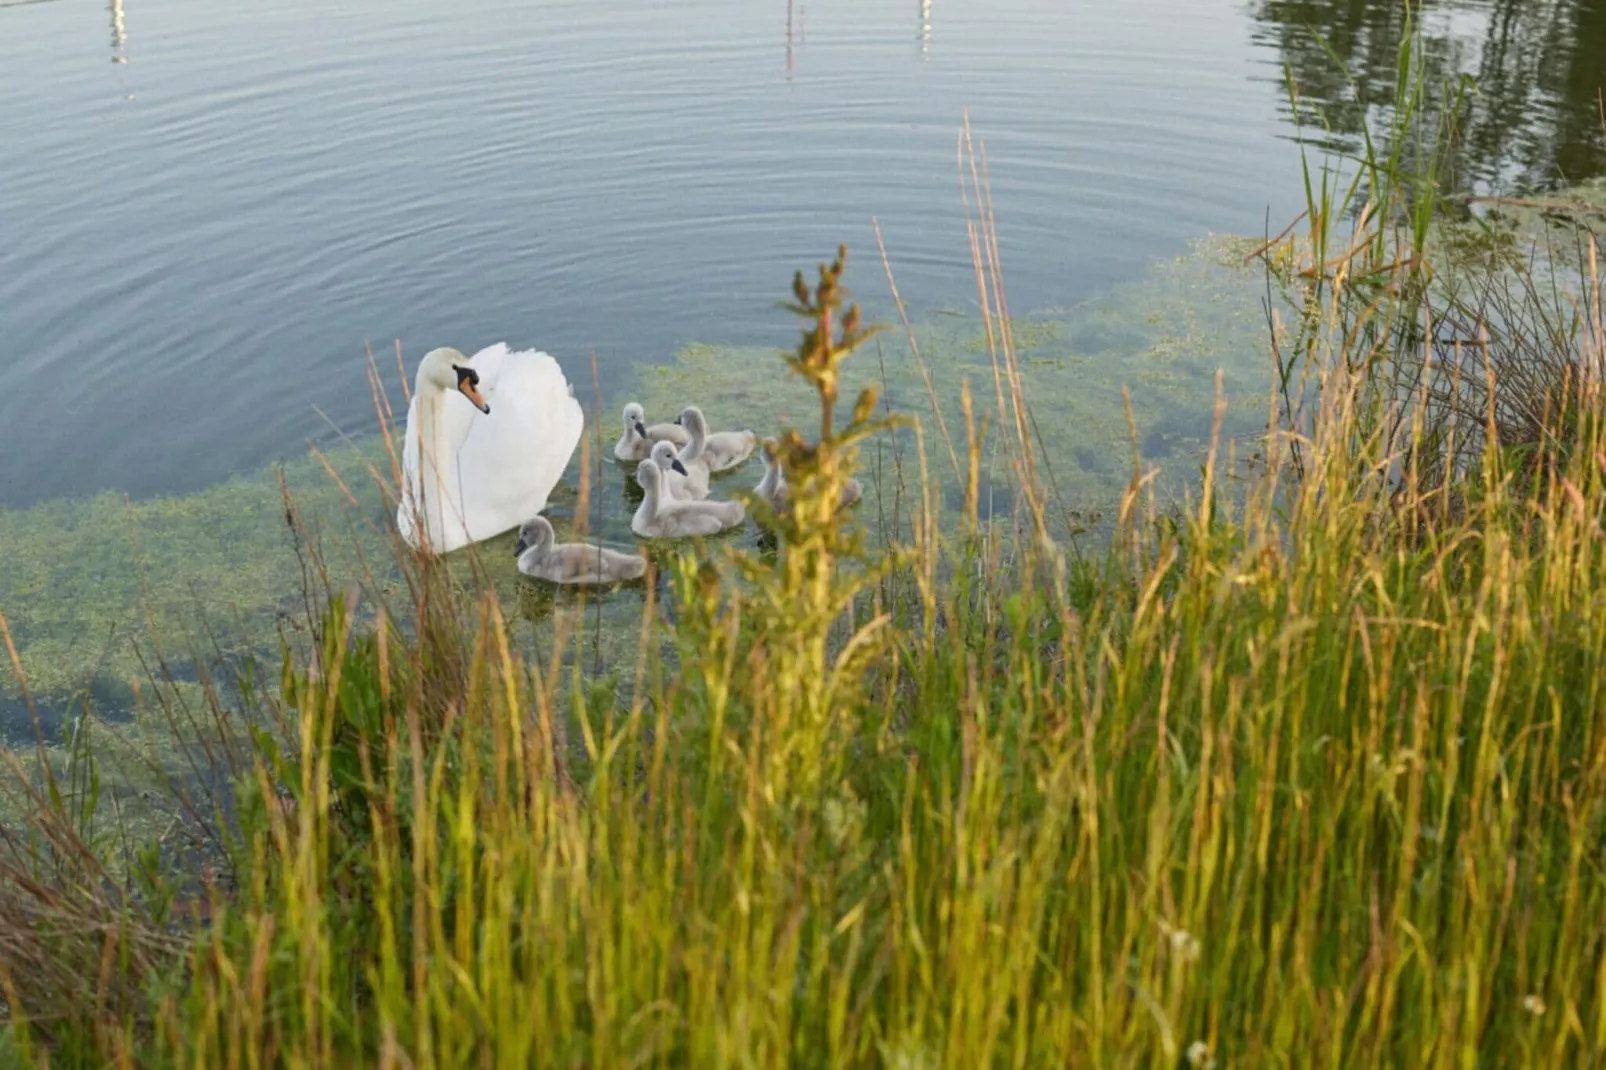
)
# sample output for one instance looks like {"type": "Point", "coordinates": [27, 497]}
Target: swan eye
{"type": "Point", "coordinates": [466, 375]}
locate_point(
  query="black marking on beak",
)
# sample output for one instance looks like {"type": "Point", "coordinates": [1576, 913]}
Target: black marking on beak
{"type": "Point", "coordinates": [679, 422]}
{"type": "Point", "coordinates": [641, 429]}
{"type": "Point", "coordinates": [677, 466]}
{"type": "Point", "coordinates": [520, 546]}
{"type": "Point", "coordinates": [468, 383]}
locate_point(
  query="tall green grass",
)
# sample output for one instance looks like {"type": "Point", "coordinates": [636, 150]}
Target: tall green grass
{"type": "Point", "coordinates": [1308, 771]}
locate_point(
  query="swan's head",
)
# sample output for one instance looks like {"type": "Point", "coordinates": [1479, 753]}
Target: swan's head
{"type": "Point", "coordinates": [536, 534]}
{"type": "Point", "coordinates": [663, 455]}
{"type": "Point", "coordinates": [771, 449]}
{"type": "Point", "coordinates": [635, 419]}
{"type": "Point", "coordinates": [692, 420]}
{"type": "Point", "coordinates": [648, 477]}
{"type": "Point", "coordinates": [446, 369]}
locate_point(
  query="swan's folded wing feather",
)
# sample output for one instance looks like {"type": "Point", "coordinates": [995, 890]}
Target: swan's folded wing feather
{"type": "Point", "coordinates": [516, 454]}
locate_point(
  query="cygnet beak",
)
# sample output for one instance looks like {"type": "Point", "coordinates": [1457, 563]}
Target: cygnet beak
{"type": "Point", "coordinates": [677, 466]}
{"type": "Point", "coordinates": [641, 429]}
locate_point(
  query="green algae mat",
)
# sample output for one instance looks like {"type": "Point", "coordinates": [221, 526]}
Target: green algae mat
{"type": "Point", "coordinates": [104, 595]}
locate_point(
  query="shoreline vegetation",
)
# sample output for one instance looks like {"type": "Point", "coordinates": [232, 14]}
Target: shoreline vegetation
{"type": "Point", "coordinates": [1304, 768]}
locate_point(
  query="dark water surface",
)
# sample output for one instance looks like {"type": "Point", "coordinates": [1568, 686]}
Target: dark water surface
{"type": "Point", "coordinates": [207, 209]}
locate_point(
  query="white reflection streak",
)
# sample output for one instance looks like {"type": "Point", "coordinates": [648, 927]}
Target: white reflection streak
{"type": "Point", "coordinates": [925, 27]}
{"type": "Point", "coordinates": [119, 32]}
{"type": "Point", "coordinates": [791, 36]}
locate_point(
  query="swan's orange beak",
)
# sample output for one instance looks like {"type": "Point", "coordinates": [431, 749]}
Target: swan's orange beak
{"type": "Point", "coordinates": [472, 392]}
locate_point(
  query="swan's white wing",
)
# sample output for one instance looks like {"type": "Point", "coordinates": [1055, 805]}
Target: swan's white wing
{"type": "Point", "coordinates": [514, 456]}
{"type": "Point", "coordinates": [727, 449]}
{"type": "Point", "coordinates": [685, 487]}
{"type": "Point", "coordinates": [687, 522]}
{"type": "Point", "coordinates": [696, 518]}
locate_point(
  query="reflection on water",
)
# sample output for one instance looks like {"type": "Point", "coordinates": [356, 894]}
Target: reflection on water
{"type": "Point", "coordinates": [1535, 119]}
{"type": "Point", "coordinates": [119, 32]}
{"type": "Point", "coordinates": [795, 11]}
{"type": "Point", "coordinates": [789, 60]}
{"type": "Point", "coordinates": [925, 27]}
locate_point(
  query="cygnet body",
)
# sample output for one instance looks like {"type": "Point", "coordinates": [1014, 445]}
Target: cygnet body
{"type": "Point", "coordinates": [718, 450]}
{"type": "Point", "coordinates": [662, 517]}
{"type": "Point", "coordinates": [636, 438]}
{"type": "Point", "coordinates": [680, 483]}
{"type": "Point", "coordinates": [773, 487]}
{"type": "Point", "coordinates": [543, 557]}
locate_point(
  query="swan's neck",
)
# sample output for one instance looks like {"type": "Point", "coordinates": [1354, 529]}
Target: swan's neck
{"type": "Point", "coordinates": [649, 500]}
{"type": "Point", "coordinates": [767, 485]}
{"type": "Point", "coordinates": [693, 449]}
{"type": "Point", "coordinates": [437, 459]}
{"type": "Point", "coordinates": [535, 555]}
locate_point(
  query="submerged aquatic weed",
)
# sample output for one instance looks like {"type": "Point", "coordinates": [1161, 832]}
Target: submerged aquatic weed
{"type": "Point", "coordinates": [95, 587]}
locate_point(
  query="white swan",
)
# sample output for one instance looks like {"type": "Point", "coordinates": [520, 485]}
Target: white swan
{"type": "Point", "coordinates": [660, 517]}
{"type": "Point", "coordinates": [470, 475]}
{"type": "Point", "coordinates": [719, 450]}
{"type": "Point", "coordinates": [541, 556]}
{"type": "Point", "coordinates": [636, 439]}
{"type": "Point", "coordinates": [680, 482]}
{"type": "Point", "coordinates": [774, 489]}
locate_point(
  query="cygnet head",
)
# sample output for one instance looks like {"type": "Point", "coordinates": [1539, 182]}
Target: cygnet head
{"type": "Point", "coordinates": [648, 477]}
{"type": "Point", "coordinates": [446, 369]}
{"type": "Point", "coordinates": [692, 420]}
{"type": "Point", "coordinates": [635, 419]}
{"type": "Point", "coordinates": [534, 535]}
{"type": "Point", "coordinates": [663, 455]}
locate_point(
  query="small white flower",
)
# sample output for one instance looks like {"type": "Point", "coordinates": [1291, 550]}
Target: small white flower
{"type": "Point", "coordinates": [1534, 1005]}
{"type": "Point", "coordinates": [909, 1054]}
{"type": "Point", "coordinates": [1199, 1056]}
{"type": "Point", "coordinates": [1183, 945]}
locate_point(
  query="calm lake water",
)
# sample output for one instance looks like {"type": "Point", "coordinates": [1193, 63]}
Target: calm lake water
{"type": "Point", "coordinates": [207, 209]}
